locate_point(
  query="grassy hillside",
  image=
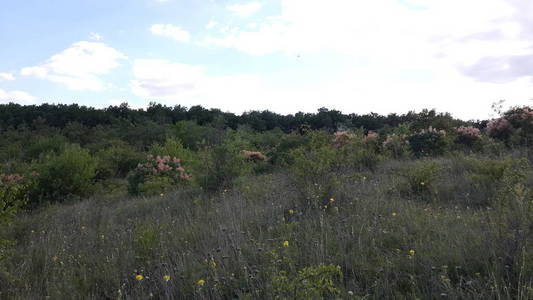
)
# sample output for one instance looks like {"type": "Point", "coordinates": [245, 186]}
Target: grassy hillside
{"type": "Point", "coordinates": [428, 209]}
{"type": "Point", "coordinates": [467, 236]}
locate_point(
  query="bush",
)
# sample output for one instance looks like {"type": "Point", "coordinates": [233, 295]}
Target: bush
{"type": "Point", "coordinates": [429, 142]}
{"type": "Point", "coordinates": [156, 174]}
{"type": "Point", "coordinates": [396, 146]}
{"type": "Point", "coordinates": [116, 161]}
{"type": "Point", "coordinates": [70, 173]}
{"type": "Point", "coordinates": [468, 136]}
{"type": "Point", "coordinates": [218, 166]}
{"type": "Point", "coordinates": [419, 180]}
{"type": "Point", "coordinates": [44, 145]}
{"type": "Point", "coordinates": [313, 169]}
{"type": "Point", "coordinates": [13, 195]}
{"type": "Point", "coordinates": [173, 147]}
{"type": "Point", "coordinates": [193, 135]}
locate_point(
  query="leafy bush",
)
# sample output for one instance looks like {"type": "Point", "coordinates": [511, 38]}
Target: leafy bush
{"type": "Point", "coordinates": [314, 170]}
{"type": "Point", "coordinates": [193, 135]}
{"type": "Point", "coordinates": [13, 195]}
{"type": "Point", "coordinates": [116, 161]}
{"type": "Point", "coordinates": [359, 153]}
{"type": "Point", "coordinates": [419, 180]}
{"type": "Point", "coordinates": [218, 166]}
{"type": "Point", "coordinates": [44, 145]}
{"type": "Point", "coordinates": [69, 173]}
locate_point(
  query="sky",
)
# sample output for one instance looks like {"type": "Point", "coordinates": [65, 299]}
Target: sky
{"type": "Point", "coordinates": [286, 56]}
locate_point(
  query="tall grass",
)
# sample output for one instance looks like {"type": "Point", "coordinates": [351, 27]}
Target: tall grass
{"type": "Point", "coordinates": [388, 237]}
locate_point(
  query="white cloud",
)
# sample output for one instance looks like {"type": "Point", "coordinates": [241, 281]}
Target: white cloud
{"type": "Point", "coordinates": [78, 67]}
{"type": "Point", "coordinates": [7, 76]}
{"type": "Point", "coordinates": [189, 85]}
{"type": "Point", "coordinates": [245, 10]}
{"type": "Point", "coordinates": [95, 36]}
{"type": "Point", "coordinates": [212, 24]}
{"type": "Point", "coordinates": [170, 31]}
{"type": "Point", "coordinates": [15, 96]}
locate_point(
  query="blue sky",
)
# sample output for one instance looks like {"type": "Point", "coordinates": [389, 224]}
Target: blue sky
{"type": "Point", "coordinates": [357, 56]}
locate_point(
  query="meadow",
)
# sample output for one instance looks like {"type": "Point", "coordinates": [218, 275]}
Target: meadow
{"type": "Point", "coordinates": [426, 207]}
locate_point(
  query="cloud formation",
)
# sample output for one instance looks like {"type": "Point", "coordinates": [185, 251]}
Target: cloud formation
{"type": "Point", "coordinates": [170, 31]}
{"type": "Point", "coordinates": [245, 10]}
{"type": "Point", "coordinates": [15, 96]}
{"type": "Point", "coordinates": [7, 76]}
{"type": "Point", "coordinates": [391, 32]}
{"type": "Point", "coordinates": [79, 66]}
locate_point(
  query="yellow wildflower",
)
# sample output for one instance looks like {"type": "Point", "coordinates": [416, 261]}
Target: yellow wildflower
{"type": "Point", "coordinates": [201, 282]}
{"type": "Point", "coordinates": [422, 183]}
{"type": "Point", "coordinates": [82, 227]}
{"type": "Point", "coordinates": [291, 211]}
{"type": "Point", "coordinates": [286, 244]}
{"type": "Point", "coordinates": [166, 277]}
{"type": "Point", "coordinates": [332, 199]}
{"type": "Point", "coordinates": [162, 195]}
{"type": "Point", "coordinates": [412, 252]}
{"type": "Point", "coordinates": [139, 277]}
{"type": "Point", "coordinates": [394, 214]}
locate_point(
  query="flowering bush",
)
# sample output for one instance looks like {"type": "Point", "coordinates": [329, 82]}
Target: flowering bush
{"type": "Point", "coordinates": [521, 119]}
{"type": "Point", "coordinates": [341, 138]}
{"type": "Point", "coordinates": [429, 142]}
{"type": "Point", "coordinates": [467, 135]}
{"type": "Point", "coordinates": [500, 129]}
{"type": "Point", "coordinates": [158, 168]}
{"type": "Point", "coordinates": [396, 146]}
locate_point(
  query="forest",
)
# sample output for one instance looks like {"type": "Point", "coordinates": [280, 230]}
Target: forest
{"type": "Point", "coordinates": [195, 203]}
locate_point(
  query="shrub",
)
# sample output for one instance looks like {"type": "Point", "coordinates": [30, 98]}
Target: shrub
{"type": "Point", "coordinates": [116, 161]}
{"type": "Point", "coordinates": [13, 195]}
{"type": "Point", "coordinates": [70, 173]}
{"type": "Point", "coordinates": [281, 155]}
{"type": "Point", "coordinates": [396, 146]}
{"type": "Point", "coordinates": [44, 145]}
{"type": "Point", "coordinates": [193, 135]}
{"type": "Point", "coordinates": [158, 172]}
{"type": "Point", "coordinates": [218, 166]}
{"type": "Point", "coordinates": [468, 136]}
{"type": "Point", "coordinates": [521, 119]}
{"type": "Point", "coordinates": [419, 180]}
{"type": "Point", "coordinates": [314, 169]}
{"type": "Point", "coordinates": [429, 142]}
{"type": "Point", "coordinates": [173, 147]}
{"type": "Point", "coordinates": [500, 129]}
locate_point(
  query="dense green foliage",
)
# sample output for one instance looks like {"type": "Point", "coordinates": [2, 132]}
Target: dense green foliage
{"type": "Point", "coordinates": [176, 203]}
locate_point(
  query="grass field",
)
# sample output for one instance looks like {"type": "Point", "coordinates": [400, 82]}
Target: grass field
{"type": "Point", "coordinates": [445, 228]}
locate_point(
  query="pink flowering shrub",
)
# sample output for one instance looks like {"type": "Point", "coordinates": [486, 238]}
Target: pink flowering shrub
{"type": "Point", "coordinates": [371, 136]}
{"type": "Point", "coordinates": [165, 168]}
{"type": "Point", "coordinates": [521, 120]}
{"type": "Point", "coordinates": [430, 141]}
{"type": "Point", "coordinates": [396, 146]}
{"type": "Point", "coordinates": [499, 128]}
{"type": "Point", "coordinates": [341, 138]}
{"type": "Point", "coordinates": [467, 135]}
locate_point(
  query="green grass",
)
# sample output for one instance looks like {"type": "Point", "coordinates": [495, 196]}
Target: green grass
{"type": "Point", "coordinates": [389, 238]}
